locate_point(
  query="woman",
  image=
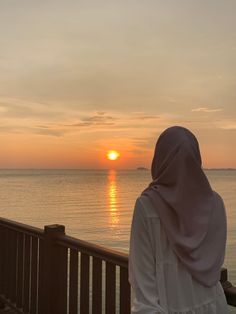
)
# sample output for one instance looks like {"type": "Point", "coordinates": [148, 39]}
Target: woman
{"type": "Point", "coordinates": [178, 234]}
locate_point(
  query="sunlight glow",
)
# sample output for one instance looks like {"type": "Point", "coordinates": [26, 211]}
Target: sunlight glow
{"type": "Point", "coordinates": [113, 155]}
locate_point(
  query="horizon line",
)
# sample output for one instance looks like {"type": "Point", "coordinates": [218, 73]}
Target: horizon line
{"type": "Point", "coordinates": [102, 169]}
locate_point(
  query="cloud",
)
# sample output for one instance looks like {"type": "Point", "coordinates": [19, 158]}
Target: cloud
{"type": "Point", "coordinates": [14, 108]}
{"type": "Point", "coordinates": [99, 119]}
{"type": "Point", "coordinates": [228, 125]}
{"type": "Point", "coordinates": [205, 109]}
{"type": "Point", "coordinates": [221, 124]}
{"type": "Point", "coordinates": [11, 129]}
{"type": "Point", "coordinates": [48, 132]}
{"type": "Point", "coordinates": [143, 116]}
{"type": "Point", "coordinates": [40, 130]}
{"type": "Point", "coordinates": [145, 143]}
{"type": "Point", "coordinates": [91, 124]}
{"type": "Point", "coordinates": [118, 121]}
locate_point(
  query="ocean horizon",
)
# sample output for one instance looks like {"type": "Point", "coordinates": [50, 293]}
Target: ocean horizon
{"type": "Point", "coordinates": [107, 169]}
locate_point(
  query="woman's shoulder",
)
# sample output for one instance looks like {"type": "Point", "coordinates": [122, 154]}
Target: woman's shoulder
{"type": "Point", "coordinates": [218, 196]}
{"type": "Point", "coordinates": [145, 207]}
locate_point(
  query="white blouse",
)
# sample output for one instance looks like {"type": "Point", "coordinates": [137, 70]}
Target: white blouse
{"type": "Point", "coordinates": [160, 282]}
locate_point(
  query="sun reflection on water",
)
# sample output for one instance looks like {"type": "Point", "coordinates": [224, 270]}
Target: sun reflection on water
{"type": "Point", "coordinates": [114, 218]}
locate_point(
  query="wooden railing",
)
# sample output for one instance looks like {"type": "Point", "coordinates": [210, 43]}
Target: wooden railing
{"type": "Point", "coordinates": [48, 272]}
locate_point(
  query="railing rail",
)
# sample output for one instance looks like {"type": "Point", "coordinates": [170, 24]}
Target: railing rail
{"type": "Point", "coordinates": [48, 272]}
{"type": "Point", "coordinates": [109, 255]}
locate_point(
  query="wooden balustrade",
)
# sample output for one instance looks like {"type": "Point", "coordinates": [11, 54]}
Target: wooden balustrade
{"type": "Point", "coordinates": [48, 272]}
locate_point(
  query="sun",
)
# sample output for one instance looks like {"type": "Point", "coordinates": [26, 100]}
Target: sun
{"type": "Point", "coordinates": [112, 155]}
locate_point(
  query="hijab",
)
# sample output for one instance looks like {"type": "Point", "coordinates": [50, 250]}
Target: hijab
{"type": "Point", "coordinates": [192, 214]}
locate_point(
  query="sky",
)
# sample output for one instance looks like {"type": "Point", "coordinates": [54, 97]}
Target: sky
{"type": "Point", "coordinates": [79, 78]}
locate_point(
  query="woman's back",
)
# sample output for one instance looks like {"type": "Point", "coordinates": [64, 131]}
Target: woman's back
{"type": "Point", "coordinates": [161, 283]}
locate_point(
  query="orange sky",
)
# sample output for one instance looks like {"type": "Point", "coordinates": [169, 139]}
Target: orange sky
{"type": "Point", "coordinates": [79, 78]}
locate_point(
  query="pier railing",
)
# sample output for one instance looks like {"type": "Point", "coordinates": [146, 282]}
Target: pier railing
{"type": "Point", "coordinates": [48, 272]}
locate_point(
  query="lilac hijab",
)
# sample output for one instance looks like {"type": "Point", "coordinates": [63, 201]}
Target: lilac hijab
{"type": "Point", "coordinates": [192, 214]}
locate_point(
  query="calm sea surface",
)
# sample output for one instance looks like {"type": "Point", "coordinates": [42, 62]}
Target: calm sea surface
{"type": "Point", "coordinates": [96, 205]}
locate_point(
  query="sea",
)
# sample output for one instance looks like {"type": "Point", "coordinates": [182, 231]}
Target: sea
{"type": "Point", "coordinates": [97, 205]}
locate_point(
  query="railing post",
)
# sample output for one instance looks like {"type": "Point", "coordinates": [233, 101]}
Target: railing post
{"type": "Point", "coordinates": [48, 274]}
{"type": "Point", "coordinates": [229, 289]}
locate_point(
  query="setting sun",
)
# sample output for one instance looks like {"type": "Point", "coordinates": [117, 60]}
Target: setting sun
{"type": "Point", "coordinates": [113, 155]}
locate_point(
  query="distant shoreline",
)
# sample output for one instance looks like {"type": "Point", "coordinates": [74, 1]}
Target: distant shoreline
{"type": "Point", "coordinates": [219, 169]}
